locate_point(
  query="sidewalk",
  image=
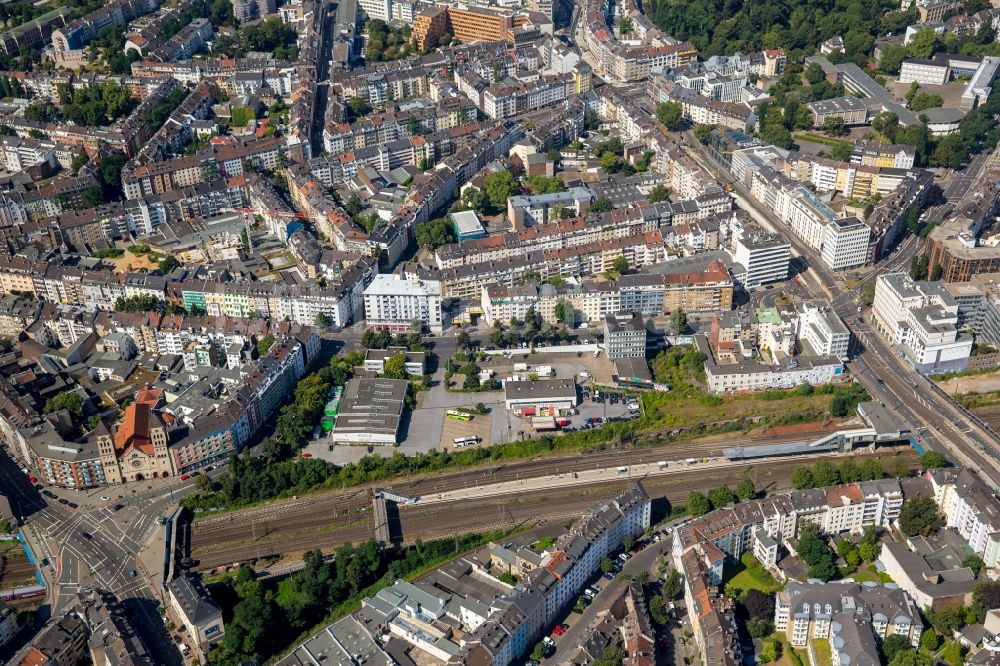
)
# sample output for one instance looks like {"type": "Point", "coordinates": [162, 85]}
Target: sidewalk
{"type": "Point", "coordinates": [91, 497]}
{"type": "Point", "coordinates": [149, 561]}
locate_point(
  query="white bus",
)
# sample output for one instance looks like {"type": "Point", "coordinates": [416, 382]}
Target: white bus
{"type": "Point", "coordinates": [465, 441]}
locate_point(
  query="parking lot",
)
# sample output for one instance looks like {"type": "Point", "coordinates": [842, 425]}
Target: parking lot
{"type": "Point", "coordinates": [583, 366]}
{"type": "Point", "coordinates": [452, 429]}
{"type": "Point", "coordinates": [428, 427]}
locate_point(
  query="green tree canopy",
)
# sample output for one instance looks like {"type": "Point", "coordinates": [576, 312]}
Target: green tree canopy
{"type": "Point", "coordinates": [919, 516]}
{"type": "Point", "coordinates": [601, 205]}
{"type": "Point", "coordinates": [698, 504]}
{"type": "Point", "coordinates": [499, 186]}
{"type": "Point", "coordinates": [435, 233]}
{"type": "Point", "coordinates": [68, 400]}
{"type": "Point", "coordinates": [670, 114]}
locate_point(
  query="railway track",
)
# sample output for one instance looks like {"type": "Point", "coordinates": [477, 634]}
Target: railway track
{"type": "Point", "coordinates": [318, 510]}
{"type": "Point", "coordinates": [231, 539]}
{"type": "Point", "coordinates": [324, 505]}
{"type": "Point", "coordinates": [15, 569]}
{"type": "Point", "coordinates": [990, 414]}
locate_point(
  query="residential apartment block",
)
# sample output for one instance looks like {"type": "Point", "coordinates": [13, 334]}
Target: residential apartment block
{"type": "Point", "coordinates": [396, 302]}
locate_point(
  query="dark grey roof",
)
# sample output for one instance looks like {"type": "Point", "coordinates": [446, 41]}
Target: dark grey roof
{"type": "Point", "coordinates": [194, 598]}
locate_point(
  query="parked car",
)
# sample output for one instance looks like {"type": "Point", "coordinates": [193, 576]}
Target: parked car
{"type": "Point", "coordinates": [63, 500]}
{"type": "Point", "coordinates": [609, 576]}
{"type": "Point", "coordinates": [73, 505]}
{"type": "Point", "coordinates": [558, 631]}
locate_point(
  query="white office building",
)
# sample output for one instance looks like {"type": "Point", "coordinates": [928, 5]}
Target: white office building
{"type": "Point", "coordinates": [823, 329]}
{"type": "Point", "coordinates": [395, 302]}
{"type": "Point", "coordinates": [765, 257]}
{"type": "Point", "coordinates": [845, 243]}
{"type": "Point", "coordinates": [920, 319]}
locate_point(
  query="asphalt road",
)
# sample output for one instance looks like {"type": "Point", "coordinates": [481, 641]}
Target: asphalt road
{"type": "Point", "coordinates": [105, 559]}
{"type": "Point", "coordinates": [577, 633]}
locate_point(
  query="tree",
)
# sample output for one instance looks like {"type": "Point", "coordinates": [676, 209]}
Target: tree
{"type": "Point", "coordinates": [925, 101]}
{"type": "Point", "coordinates": [601, 205]}
{"type": "Point", "coordinates": [240, 116]}
{"type": "Point", "coordinates": [825, 473]}
{"type": "Point", "coordinates": [892, 59]}
{"type": "Point", "coordinates": [474, 199]}
{"type": "Point", "coordinates": [839, 406]}
{"type": "Point", "coordinates": [545, 184]}
{"type": "Point", "coordinates": [138, 303]}
{"type": "Point", "coordinates": [658, 611]}
{"type": "Point", "coordinates": [678, 321]}
{"type": "Point", "coordinates": [607, 565]}
{"type": "Point", "coordinates": [868, 552]}
{"type": "Point", "coordinates": [922, 44]}
{"type": "Point", "coordinates": [538, 652]}
{"type": "Point", "coordinates": [985, 596]}
{"type": "Point", "coordinates": [435, 233]}
{"type": "Point", "coordinates": [698, 504]}
{"type": "Point", "coordinates": [919, 516]}
{"type": "Point", "coordinates": [78, 161]}
{"type": "Point", "coordinates": [759, 604]}
{"type": "Point", "coordinates": [92, 197]}
{"type": "Point", "coordinates": [358, 106]}
{"type": "Point", "coordinates": [814, 552]}
{"type": "Point", "coordinates": [499, 187]}
{"type": "Point", "coordinates": [168, 263]}
{"type": "Point", "coordinates": [68, 400]}
{"type": "Point", "coordinates": [670, 114]}
{"type": "Point", "coordinates": [563, 312]}
{"type": "Point", "coordinates": [929, 640]}
{"type": "Point", "coordinates": [948, 619]}
{"type": "Point", "coordinates": [673, 586]}
{"type": "Point", "coordinates": [702, 132]}
{"type": "Point", "coordinates": [658, 193]}
{"type": "Point", "coordinates": [802, 478]}
{"type": "Point", "coordinates": [897, 467]}
{"type": "Point", "coordinates": [933, 460]}
{"type": "Point", "coordinates": [814, 73]}
{"type": "Point", "coordinates": [745, 489]}
{"type": "Point", "coordinates": [975, 563]}
{"type": "Point", "coordinates": [395, 367]}
{"type": "Point", "coordinates": [203, 483]}
{"type": "Point", "coordinates": [893, 645]}
{"type": "Point", "coordinates": [834, 127]}
{"type": "Point", "coordinates": [759, 627]}
{"type": "Point", "coordinates": [886, 123]}
{"type": "Point", "coordinates": [264, 344]}
{"type": "Point", "coordinates": [721, 496]}
{"type": "Point", "coordinates": [771, 651]}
